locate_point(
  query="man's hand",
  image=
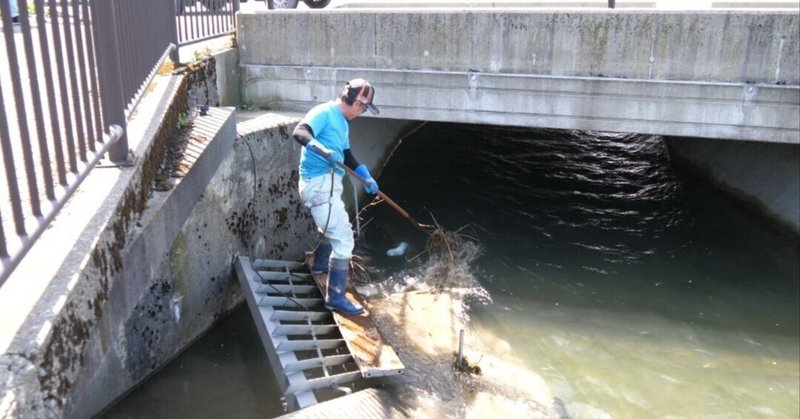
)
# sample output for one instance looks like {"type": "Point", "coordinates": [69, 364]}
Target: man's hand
{"type": "Point", "coordinates": [370, 186]}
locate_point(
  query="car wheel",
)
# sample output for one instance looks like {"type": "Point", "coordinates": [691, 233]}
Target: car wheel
{"type": "Point", "coordinates": [317, 4]}
{"type": "Point", "coordinates": [282, 4]}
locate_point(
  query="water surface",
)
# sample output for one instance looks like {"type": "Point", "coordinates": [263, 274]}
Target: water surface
{"type": "Point", "coordinates": [634, 291]}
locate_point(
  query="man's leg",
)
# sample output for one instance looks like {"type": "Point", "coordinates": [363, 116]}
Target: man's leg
{"type": "Point", "coordinates": [14, 11]}
{"type": "Point", "coordinates": [331, 218]}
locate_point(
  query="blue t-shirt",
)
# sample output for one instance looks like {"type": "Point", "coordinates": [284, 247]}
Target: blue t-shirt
{"type": "Point", "coordinates": [330, 128]}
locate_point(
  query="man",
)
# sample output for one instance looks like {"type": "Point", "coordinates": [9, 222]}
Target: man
{"type": "Point", "coordinates": [324, 134]}
{"type": "Point", "coordinates": [13, 11]}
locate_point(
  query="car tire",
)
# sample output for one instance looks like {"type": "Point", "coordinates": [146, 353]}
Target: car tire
{"type": "Point", "coordinates": [317, 4]}
{"type": "Point", "coordinates": [282, 4]}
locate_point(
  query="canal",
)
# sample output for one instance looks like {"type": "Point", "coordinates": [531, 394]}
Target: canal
{"type": "Point", "coordinates": [633, 289]}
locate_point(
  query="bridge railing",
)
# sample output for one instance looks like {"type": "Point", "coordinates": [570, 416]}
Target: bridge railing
{"type": "Point", "coordinates": [71, 74]}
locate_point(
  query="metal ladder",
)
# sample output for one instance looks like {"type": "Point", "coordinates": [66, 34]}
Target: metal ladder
{"type": "Point", "coordinates": [300, 336]}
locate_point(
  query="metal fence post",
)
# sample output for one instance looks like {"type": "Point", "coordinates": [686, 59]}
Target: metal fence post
{"type": "Point", "coordinates": [110, 75]}
{"type": "Point", "coordinates": [174, 56]}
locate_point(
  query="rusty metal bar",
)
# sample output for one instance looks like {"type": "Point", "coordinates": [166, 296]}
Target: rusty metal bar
{"type": "Point", "coordinates": [61, 71]}
{"type": "Point", "coordinates": [41, 135]}
{"type": "Point", "coordinates": [83, 71]}
{"type": "Point", "coordinates": [10, 168]}
{"type": "Point", "coordinates": [93, 79]}
{"type": "Point", "coordinates": [55, 127]}
{"type": "Point", "coordinates": [69, 39]}
{"type": "Point", "coordinates": [22, 119]}
{"type": "Point", "coordinates": [110, 73]}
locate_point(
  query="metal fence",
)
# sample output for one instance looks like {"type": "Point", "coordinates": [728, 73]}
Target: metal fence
{"type": "Point", "coordinates": [71, 74]}
{"type": "Point", "coordinates": [199, 20]}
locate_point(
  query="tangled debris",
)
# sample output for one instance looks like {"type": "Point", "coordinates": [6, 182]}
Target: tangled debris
{"type": "Point", "coordinates": [466, 365]}
{"type": "Point", "coordinates": [450, 254]}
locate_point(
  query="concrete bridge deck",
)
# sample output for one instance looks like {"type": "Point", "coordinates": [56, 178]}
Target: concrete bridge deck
{"type": "Point", "coordinates": [712, 74]}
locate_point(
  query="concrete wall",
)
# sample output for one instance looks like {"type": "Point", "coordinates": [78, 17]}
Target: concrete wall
{"type": "Point", "coordinates": [757, 47]}
{"type": "Point", "coordinates": [152, 269]}
{"type": "Point", "coordinates": [700, 75]}
{"type": "Point", "coordinates": [764, 177]}
{"type": "Point", "coordinates": [713, 74]}
{"type": "Point", "coordinates": [246, 205]}
{"type": "Point", "coordinates": [228, 82]}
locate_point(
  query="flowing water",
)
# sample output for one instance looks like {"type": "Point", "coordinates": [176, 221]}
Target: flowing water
{"type": "Point", "coordinates": [632, 291]}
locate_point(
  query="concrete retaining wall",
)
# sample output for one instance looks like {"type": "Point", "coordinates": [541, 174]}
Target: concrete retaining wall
{"type": "Point", "coordinates": [764, 177]}
{"type": "Point", "coordinates": [707, 46]}
{"type": "Point", "coordinates": [152, 269]}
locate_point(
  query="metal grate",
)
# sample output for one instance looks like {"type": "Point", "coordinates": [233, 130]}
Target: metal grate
{"type": "Point", "coordinates": [302, 341]}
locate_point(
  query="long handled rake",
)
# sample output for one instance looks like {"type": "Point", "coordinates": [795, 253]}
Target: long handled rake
{"type": "Point", "coordinates": [398, 208]}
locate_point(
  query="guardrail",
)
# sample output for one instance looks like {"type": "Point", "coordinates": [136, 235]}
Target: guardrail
{"type": "Point", "coordinates": [75, 70]}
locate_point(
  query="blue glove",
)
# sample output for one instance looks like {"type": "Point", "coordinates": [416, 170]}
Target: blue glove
{"type": "Point", "coordinates": [316, 147]}
{"type": "Point", "coordinates": [370, 186]}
